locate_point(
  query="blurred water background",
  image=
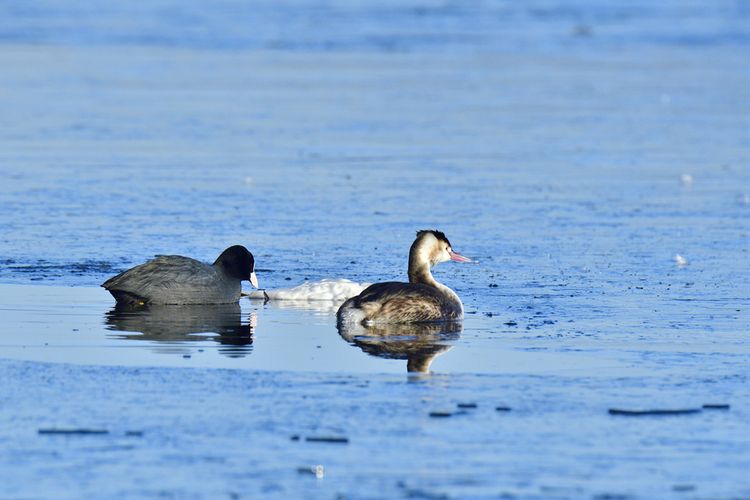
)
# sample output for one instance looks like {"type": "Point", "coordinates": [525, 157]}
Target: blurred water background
{"type": "Point", "coordinates": [573, 149]}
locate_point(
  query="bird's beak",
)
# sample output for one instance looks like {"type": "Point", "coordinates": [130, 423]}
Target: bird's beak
{"type": "Point", "coordinates": [459, 258]}
{"type": "Point", "coordinates": [253, 279]}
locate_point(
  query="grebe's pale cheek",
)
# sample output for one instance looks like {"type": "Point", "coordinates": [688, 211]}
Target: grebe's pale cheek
{"type": "Point", "coordinates": [445, 255]}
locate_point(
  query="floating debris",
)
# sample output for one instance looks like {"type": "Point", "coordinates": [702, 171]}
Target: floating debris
{"type": "Point", "coordinates": [502, 408]}
{"type": "Point", "coordinates": [134, 433]}
{"type": "Point", "coordinates": [680, 260]}
{"type": "Point", "coordinates": [315, 470]}
{"type": "Point", "coordinates": [73, 432]}
{"type": "Point", "coordinates": [716, 407]}
{"type": "Point", "coordinates": [646, 413]}
{"type": "Point", "coordinates": [441, 414]}
{"type": "Point", "coordinates": [582, 30]}
{"type": "Point", "coordinates": [686, 179]}
{"type": "Point", "coordinates": [421, 494]}
{"type": "Point", "coordinates": [327, 439]}
{"type": "Point", "coordinates": [466, 405]}
{"type": "Point", "coordinates": [611, 496]}
{"type": "Point", "coordinates": [683, 487]}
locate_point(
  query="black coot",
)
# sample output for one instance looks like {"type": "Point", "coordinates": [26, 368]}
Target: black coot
{"type": "Point", "coordinates": [173, 279]}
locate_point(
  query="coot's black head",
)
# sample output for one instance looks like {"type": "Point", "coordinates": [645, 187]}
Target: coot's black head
{"type": "Point", "coordinates": [238, 262]}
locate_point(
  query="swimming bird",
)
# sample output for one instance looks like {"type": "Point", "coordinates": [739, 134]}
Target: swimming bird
{"type": "Point", "coordinates": [325, 290]}
{"type": "Point", "coordinates": [173, 279]}
{"type": "Point", "coordinates": [422, 299]}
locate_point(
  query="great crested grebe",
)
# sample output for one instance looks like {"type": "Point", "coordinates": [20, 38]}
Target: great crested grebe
{"type": "Point", "coordinates": [422, 299]}
{"type": "Point", "coordinates": [173, 279]}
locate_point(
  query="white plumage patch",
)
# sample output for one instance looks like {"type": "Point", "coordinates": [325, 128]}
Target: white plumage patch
{"type": "Point", "coordinates": [327, 289]}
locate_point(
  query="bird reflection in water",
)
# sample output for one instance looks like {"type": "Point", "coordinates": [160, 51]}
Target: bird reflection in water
{"type": "Point", "coordinates": [178, 325]}
{"type": "Point", "coordinates": [418, 343]}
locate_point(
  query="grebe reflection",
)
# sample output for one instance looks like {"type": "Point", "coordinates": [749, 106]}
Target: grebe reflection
{"type": "Point", "coordinates": [418, 343]}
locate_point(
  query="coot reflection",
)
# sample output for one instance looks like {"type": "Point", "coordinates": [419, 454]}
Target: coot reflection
{"type": "Point", "coordinates": [418, 343]}
{"type": "Point", "coordinates": [175, 324]}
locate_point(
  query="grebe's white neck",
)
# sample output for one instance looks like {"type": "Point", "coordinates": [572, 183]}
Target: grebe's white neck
{"type": "Point", "coordinates": [422, 275]}
{"type": "Point", "coordinates": [420, 260]}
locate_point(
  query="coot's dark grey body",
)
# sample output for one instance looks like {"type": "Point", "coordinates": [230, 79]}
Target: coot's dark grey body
{"type": "Point", "coordinates": [173, 279]}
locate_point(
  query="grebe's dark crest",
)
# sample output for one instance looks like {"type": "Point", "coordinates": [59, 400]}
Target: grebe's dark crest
{"type": "Point", "coordinates": [437, 234]}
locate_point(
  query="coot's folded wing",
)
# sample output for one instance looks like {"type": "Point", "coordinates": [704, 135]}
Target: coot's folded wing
{"type": "Point", "coordinates": [163, 272]}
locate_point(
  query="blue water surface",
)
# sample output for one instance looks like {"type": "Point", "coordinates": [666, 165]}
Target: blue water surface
{"type": "Point", "coordinates": [572, 149]}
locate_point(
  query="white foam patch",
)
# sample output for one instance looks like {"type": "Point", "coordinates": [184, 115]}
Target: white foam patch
{"type": "Point", "coordinates": [328, 289]}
